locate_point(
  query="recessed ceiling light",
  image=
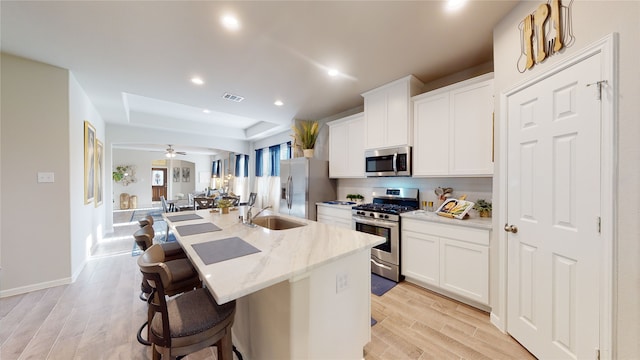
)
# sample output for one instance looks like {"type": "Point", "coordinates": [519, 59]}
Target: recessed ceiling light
{"type": "Point", "coordinates": [230, 22]}
{"type": "Point", "coordinates": [206, 111]}
{"type": "Point", "coordinates": [197, 80]}
{"type": "Point", "coordinates": [278, 103]}
{"type": "Point", "coordinates": [333, 72]}
{"type": "Point", "coordinates": [453, 5]}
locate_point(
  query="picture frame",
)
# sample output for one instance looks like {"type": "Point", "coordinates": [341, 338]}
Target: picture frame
{"type": "Point", "coordinates": [176, 174]}
{"type": "Point", "coordinates": [89, 162]}
{"type": "Point", "coordinates": [99, 178]}
{"type": "Point", "coordinates": [186, 174]}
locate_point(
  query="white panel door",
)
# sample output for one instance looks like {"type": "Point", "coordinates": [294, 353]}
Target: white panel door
{"type": "Point", "coordinates": [554, 201]}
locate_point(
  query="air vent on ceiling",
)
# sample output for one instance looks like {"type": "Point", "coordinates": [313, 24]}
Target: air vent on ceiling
{"type": "Point", "coordinates": [231, 97]}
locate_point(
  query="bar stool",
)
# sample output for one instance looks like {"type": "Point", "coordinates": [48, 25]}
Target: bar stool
{"type": "Point", "coordinates": [144, 238]}
{"type": "Point", "coordinates": [187, 323]}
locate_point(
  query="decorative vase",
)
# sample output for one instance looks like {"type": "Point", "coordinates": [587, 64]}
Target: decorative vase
{"type": "Point", "coordinates": [308, 153]}
{"type": "Point", "coordinates": [225, 210]}
{"type": "Point", "coordinates": [485, 213]}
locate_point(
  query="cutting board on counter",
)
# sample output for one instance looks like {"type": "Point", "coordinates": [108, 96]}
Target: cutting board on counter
{"type": "Point", "coordinates": [455, 208]}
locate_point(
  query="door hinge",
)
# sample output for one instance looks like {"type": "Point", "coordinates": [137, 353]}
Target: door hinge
{"type": "Point", "coordinates": [599, 225]}
{"type": "Point", "coordinates": [599, 90]}
{"type": "Point", "coordinates": [597, 354]}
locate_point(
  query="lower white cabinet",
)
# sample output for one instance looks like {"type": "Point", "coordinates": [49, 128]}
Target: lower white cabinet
{"type": "Point", "coordinates": [450, 259]}
{"type": "Point", "coordinates": [334, 215]}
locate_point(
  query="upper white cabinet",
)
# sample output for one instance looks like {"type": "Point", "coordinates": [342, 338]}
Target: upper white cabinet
{"type": "Point", "coordinates": [346, 147]}
{"type": "Point", "coordinates": [453, 130]}
{"type": "Point", "coordinates": [388, 113]}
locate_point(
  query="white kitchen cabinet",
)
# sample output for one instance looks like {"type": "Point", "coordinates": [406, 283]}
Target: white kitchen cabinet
{"type": "Point", "coordinates": [335, 215]}
{"type": "Point", "coordinates": [453, 130]}
{"type": "Point", "coordinates": [346, 147]}
{"type": "Point", "coordinates": [388, 113]}
{"type": "Point", "coordinates": [447, 258]}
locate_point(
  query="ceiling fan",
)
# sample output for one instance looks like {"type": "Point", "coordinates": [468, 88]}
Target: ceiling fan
{"type": "Point", "coordinates": [171, 153]}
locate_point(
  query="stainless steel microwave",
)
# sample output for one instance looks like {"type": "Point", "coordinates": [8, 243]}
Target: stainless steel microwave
{"type": "Point", "coordinates": [388, 162]}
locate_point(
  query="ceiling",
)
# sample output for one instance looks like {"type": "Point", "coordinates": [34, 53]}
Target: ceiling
{"type": "Point", "coordinates": [135, 59]}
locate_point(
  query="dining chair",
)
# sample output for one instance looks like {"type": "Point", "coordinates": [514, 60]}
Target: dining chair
{"type": "Point", "coordinates": [165, 205]}
{"type": "Point", "coordinates": [186, 323]}
{"type": "Point", "coordinates": [203, 203]}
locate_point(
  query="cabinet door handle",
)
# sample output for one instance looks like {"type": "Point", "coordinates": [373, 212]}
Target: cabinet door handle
{"type": "Point", "coordinates": [511, 228]}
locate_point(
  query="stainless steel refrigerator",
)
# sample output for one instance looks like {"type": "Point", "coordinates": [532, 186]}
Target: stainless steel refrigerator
{"type": "Point", "coordinates": [303, 183]}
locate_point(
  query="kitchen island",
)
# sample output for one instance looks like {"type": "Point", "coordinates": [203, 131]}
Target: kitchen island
{"type": "Point", "coordinates": [305, 293]}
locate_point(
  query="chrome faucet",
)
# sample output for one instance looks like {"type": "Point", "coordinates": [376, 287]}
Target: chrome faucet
{"type": "Point", "coordinates": [250, 217]}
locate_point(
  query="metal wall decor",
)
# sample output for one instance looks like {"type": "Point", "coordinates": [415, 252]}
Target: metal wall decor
{"type": "Point", "coordinates": [544, 33]}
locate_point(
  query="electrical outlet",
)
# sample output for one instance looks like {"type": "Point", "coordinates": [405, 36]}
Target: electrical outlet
{"type": "Point", "coordinates": [342, 282]}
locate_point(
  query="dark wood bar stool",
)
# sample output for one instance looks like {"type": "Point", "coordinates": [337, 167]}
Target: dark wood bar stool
{"type": "Point", "coordinates": [187, 323]}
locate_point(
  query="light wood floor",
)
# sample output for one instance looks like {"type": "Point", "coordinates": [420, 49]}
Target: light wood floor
{"type": "Point", "coordinates": [414, 323]}
{"type": "Point", "coordinates": [97, 317]}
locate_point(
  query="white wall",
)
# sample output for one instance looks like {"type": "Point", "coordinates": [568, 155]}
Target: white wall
{"type": "Point", "coordinates": [44, 236]}
{"type": "Point", "coordinates": [87, 221]}
{"type": "Point", "coordinates": [120, 134]}
{"type": "Point", "coordinates": [142, 160]}
{"type": "Point", "coordinates": [593, 20]}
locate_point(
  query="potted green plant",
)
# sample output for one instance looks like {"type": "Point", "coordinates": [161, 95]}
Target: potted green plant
{"type": "Point", "coordinates": [355, 197]}
{"type": "Point", "coordinates": [120, 173]}
{"type": "Point", "coordinates": [305, 134]}
{"type": "Point", "coordinates": [483, 207]}
{"type": "Point", "coordinates": [224, 205]}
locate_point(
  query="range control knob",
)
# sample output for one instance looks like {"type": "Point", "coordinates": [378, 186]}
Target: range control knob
{"type": "Point", "coordinates": [386, 216]}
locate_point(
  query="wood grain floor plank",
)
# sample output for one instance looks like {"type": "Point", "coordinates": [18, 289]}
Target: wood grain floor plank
{"type": "Point", "coordinates": [98, 316]}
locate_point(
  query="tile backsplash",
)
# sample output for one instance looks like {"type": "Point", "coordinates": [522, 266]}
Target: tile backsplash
{"type": "Point", "coordinates": [474, 188]}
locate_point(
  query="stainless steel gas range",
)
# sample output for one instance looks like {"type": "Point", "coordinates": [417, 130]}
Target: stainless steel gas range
{"type": "Point", "coordinates": [382, 218]}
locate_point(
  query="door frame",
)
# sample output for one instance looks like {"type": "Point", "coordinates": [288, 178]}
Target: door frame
{"type": "Point", "coordinates": [608, 48]}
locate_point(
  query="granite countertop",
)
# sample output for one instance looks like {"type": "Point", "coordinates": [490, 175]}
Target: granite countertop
{"type": "Point", "coordinates": [284, 254]}
{"type": "Point", "coordinates": [475, 222]}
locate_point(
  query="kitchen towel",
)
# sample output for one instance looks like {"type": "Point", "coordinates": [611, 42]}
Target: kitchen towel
{"type": "Point", "coordinates": [186, 230]}
{"type": "Point", "coordinates": [184, 217]}
{"type": "Point", "coordinates": [215, 251]}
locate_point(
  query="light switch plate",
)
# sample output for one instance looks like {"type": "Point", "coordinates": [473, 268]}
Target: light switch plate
{"type": "Point", "coordinates": [342, 282]}
{"type": "Point", "coordinates": [45, 177]}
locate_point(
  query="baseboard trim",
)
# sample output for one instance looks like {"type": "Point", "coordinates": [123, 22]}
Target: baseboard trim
{"type": "Point", "coordinates": [34, 287]}
{"type": "Point", "coordinates": [495, 320]}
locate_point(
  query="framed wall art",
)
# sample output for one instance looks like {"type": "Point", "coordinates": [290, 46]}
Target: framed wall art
{"type": "Point", "coordinates": [186, 174]}
{"type": "Point", "coordinates": [99, 166]}
{"type": "Point", "coordinates": [89, 162]}
{"type": "Point", "coordinates": [176, 174]}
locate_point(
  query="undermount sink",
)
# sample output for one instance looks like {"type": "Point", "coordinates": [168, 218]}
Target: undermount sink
{"type": "Point", "coordinates": [275, 222]}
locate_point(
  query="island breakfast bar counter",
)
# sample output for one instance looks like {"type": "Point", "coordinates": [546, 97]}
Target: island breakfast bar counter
{"type": "Point", "coordinates": [305, 294]}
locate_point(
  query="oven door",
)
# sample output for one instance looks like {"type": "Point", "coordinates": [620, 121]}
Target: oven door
{"type": "Point", "coordinates": [389, 251]}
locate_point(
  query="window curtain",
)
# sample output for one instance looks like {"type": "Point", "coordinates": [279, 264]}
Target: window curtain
{"type": "Point", "coordinates": [215, 173]}
{"type": "Point", "coordinates": [238, 165]}
{"type": "Point", "coordinates": [274, 156]}
{"type": "Point", "coordinates": [241, 179]}
{"type": "Point", "coordinates": [215, 168]}
{"type": "Point", "coordinates": [259, 163]}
